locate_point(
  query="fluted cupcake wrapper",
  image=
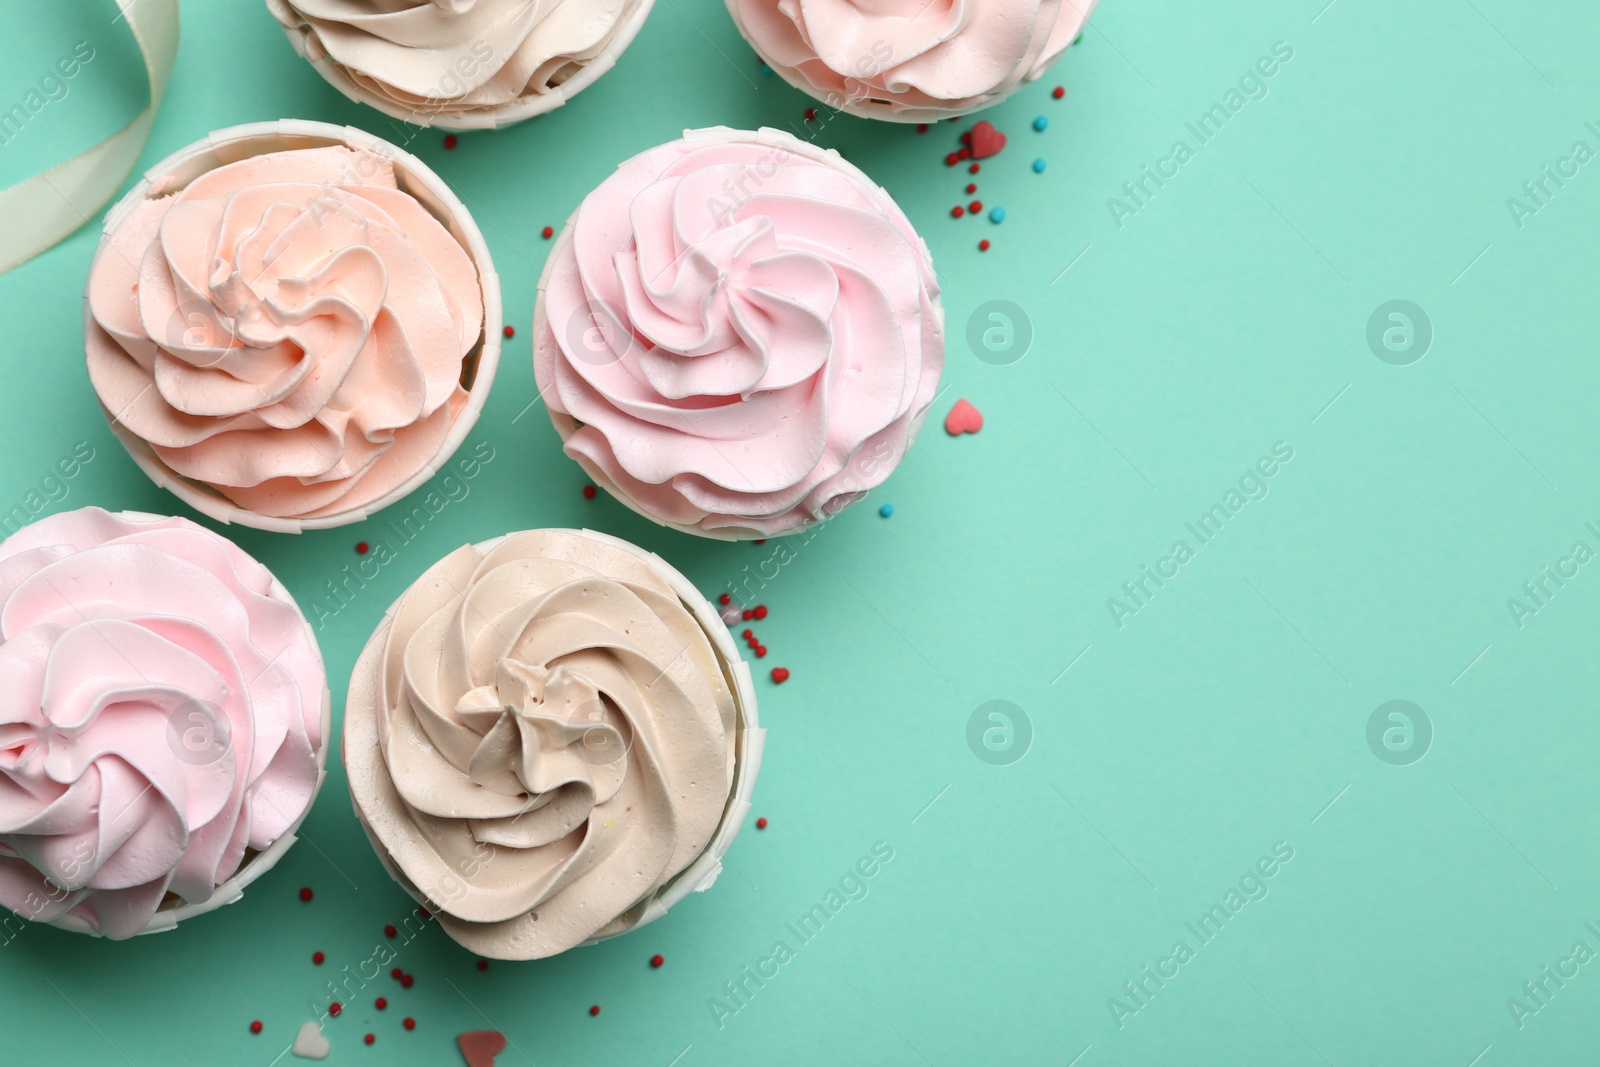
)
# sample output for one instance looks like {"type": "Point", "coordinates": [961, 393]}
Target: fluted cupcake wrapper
{"type": "Point", "coordinates": [236, 143]}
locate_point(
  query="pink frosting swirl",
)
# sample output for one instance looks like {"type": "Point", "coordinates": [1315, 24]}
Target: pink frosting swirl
{"type": "Point", "coordinates": [160, 717]}
{"type": "Point", "coordinates": [739, 333]}
{"type": "Point", "coordinates": [910, 60]}
{"type": "Point", "coordinates": [288, 329]}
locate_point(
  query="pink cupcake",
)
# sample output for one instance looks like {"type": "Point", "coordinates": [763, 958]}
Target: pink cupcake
{"type": "Point", "coordinates": [910, 60]}
{"type": "Point", "coordinates": [738, 334]}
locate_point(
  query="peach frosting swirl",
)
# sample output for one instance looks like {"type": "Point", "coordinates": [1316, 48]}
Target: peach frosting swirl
{"type": "Point", "coordinates": [918, 60]}
{"type": "Point", "coordinates": [160, 715]}
{"type": "Point", "coordinates": [539, 739]}
{"type": "Point", "coordinates": [289, 329]}
{"type": "Point", "coordinates": [739, 333]}
{"type": "Point", "coordinates": [458, 61]}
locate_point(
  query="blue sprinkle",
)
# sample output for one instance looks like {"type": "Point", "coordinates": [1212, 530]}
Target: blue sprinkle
{"type": "Point", "coordinates": [997, 215]}
{"type": "Point", "coordinates": [886, 510]}
{"type": "Point", "coordinates": [765, 69]}
{"type": "Point", "coordinates": [1040, 123]}
{"type": "Point", "coordinates": [1039, 165]}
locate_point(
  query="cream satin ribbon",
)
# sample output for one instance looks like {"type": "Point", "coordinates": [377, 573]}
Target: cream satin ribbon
{"type": "Point", "coordinates": [41, 210]}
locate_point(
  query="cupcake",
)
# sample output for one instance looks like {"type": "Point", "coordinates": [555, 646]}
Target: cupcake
{"type": "Point", "coordinates": [910, 60]}
{"type": "Point", "coordinates": [291, 325]}
{"type": "Point", "coordinates": [162, 732]}
{"type": "Point", "coordinates": [550, 740]}
{"type": "Point", "coordinates": [460, 64]}
{"type": "Point", "coordinates": [738, 334]}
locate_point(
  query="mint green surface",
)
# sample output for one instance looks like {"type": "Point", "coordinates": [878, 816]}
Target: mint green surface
{"type": "Point", "coordinates": [1229, 714]}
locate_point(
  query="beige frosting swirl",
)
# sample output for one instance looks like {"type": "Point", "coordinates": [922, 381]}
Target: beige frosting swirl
{"type": "Point", "coordinates": [540, 737]}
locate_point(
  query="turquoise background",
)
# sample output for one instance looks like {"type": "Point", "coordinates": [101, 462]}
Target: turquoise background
{"type": "Point", "coordinates": [1230, 713]}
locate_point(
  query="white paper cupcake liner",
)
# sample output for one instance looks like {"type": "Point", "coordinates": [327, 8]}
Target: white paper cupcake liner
{"type": "Point", "coordinates": [749, 740]}
{"type": "Point", "coordinates": [566, 425]}
{"type": "Point", "coordinates": [415, 177]}
{"type": "Point", "coordinates": [508, 114]}
{"type": "Point", "coordinates": [168, 916]}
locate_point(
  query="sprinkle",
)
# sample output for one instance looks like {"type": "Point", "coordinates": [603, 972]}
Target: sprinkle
{"type": "Point", "coordinates": [657, 960]}
{"type": "Point", "coordinates": [1076, 39]}
{"type": "Point", "coordinates": [370, 1038]}
{"type": "Point", "coordinates": [305, 894]}
{"type": "Point", "coordinates": [724, 598]}
{"type": "Point", "coordinates": [761, 651]}
{"type": "Point", "coordinates": [973, 169]}
{"type": "Point", "coordinates": [759, 541]}
{"type": "Point", "coordinates": [406, 980]}
{"type": "Point", "coordinates": [972, 187]}
{"type": "Point", "coordinates": [361, 548]}
{"type": "Point", "coordinates": [389, 930]}
{"type": "Point", "coordinates": [380, 1003]}
{"type": "Point", "coordinates": [1039, 165]}
{"type": "Point", "coordinates": [922, 127]}
{"type": "Point", "coordinates": [747, 614]}
{"type": "Point", "coordinates": [965, 153]}
{"type": "Point", "coordinates": [548, 232]}
{"type": "Point", "coordinates": [780, 675]}
{"type": "Point", "coordinates": [886, 510]}
{"type": "Point", "coordinates": [811, 114]}
{"type": "Point", "coordinates": [483, 965]}
{"type": "Point", "coordinates": [510, 331]}
{"type": "Point", "coordinates": [997, 214]}
{"type": "Point", "coordinates": [764, 68]}
{"type": "Point", "coordinates": [450, 140]}
{"type": "Point", "coordinates": [761, 823]}
{"type": "Point", "coordinates": [255, 1027]}
{"type": "Point", "coordinates": [1040, 123]}
{"type": "Point", "coordinates": [317, 958]}
{"type": "Point", "coordinates": [588, 492]}
{"type": "Point", "coordinates": [594, 1009]}
{"type": "Point", "coordinates": [396, 974]}
{"type": "Point", "coordinates": [963, 418]}
{"type": "Point", "coordinates": [957, 211]}
{"type": "Point", "coordinates": [966, 138]}
{"type": "Point", "coordinates": [424, 913]}
{"type": "Point", "coordinates": [983, 245]}
{"type": "Point", "coordinates": [976, 207]}
{"type": "Point", "coordinates": [335, 1008]}
{"type": "Point", "coordinates": [748, 635]}
{"type": "Point", "coordinates": [951, 160]}
{"type": "Point", "coordinates": [761, 611]}
{"type": "Point", "coordinates": [1058, 92]}
{"type": "Point", "coordinates": [410, 1023]}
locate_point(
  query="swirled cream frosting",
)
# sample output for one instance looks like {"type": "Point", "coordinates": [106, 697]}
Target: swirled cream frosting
{"type": "Point", "coordinates": [910, 60]}
{"type": "Point", "coordinates": [289, 329]}
{"type": "Point", "coordinates": [539, 739]}
{"type": "Point", "coordinates": [160, 717]}
{"type": "Point", "coordinates": [458, 62]}
{"type": "Point", "coordinates": [739, 333]}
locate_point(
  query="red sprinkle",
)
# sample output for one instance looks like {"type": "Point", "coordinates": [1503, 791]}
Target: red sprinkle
{"type": "Point", "coordinates": [255, 1027]}
{"type": "Point", "coordinates": [389, 930]}
{"type": "Point", "coordinates": [952, 159]}
{"type": "Point", "coordinates": [761, 823]}
{"type": "Point", "coordinates": [761, 651]}
{"type": "Point", "coordinates": [657, 960]}
{"type": "Point", "coordinates": [449, 140]}
{"type": "Point", "coordinates": [361, 548]}
{"type": "Point", "coordinates": [335, 1008]}
{"type": "Point", "coordinates": [966, 138]}
{"type": "Point", "coordinates": [972, 187]}
{"type": "Point", "coordinates": [922, 127]}
{"type": "Point", "coordinates": [780, 675]}
{"type": "Point", "coordinates": [759, 541]}
{"type": "Point", "coordinates": [410, 1023]}
{"type": "Point", "coordinates": [975, 207]}
{"type": "Point", "coordinates": [370, 1038]}
{"type": "Point", "coordinates": [406, 980]}
{"type": "Point", "coordinates": [761, 611]}
{"type": "Point", "coordinates": [957, 211]}
{"type": "Point", "coordinates": [380, 1003]}
{"type": "Point", "coordinates": [973, 169]}
{"type": "Point", "coordinates": [483, 965]}
{"type": "Point", "coordinates": [424, 913]}
{"type": "Point", "coordinates": [317, 958]}
{"type": "Point", "coordinates": [595, 1010]}
{"type": "Point", "coordinates": [396, 973]}
{"type": "Point", "coordinates": [588, 492]}
{"type": "Point", "coordinates": [965, 153]}
{"type": "Point", "coordinates": [748, 614]}
{"type": "Point", "coordinates": [305, 894]}
{"type": "Point", "coordinates": [983, 245]}
{"type": "Point", "coordinates": [510, 331]}
{"type": "Point", "coordinates": [724, 599]}
{"type": "Point", "coordinates": [749, 635]}
{"type": "Point", "coordinates": [1058, 92]}
{"type": "Point", "coordinates": [548, 232]}
{"type": "Point", "coordinates": [811, 114]}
